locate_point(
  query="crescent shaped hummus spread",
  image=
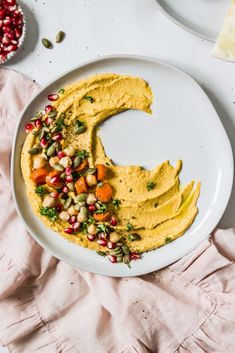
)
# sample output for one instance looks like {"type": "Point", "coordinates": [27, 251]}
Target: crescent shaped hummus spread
{"type": "Point", "coordinates": [76, 190]}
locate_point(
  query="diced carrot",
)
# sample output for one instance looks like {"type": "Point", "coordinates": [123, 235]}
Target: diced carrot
{"type": "Point", "coordinates": [104, 192]}
{"type": "Point", "coordinates": [102, 217]}
{"type": "Point", "coordinates": [81, 185]}
{"type": "Point", "coordinates": [39, 176]}
{"type": "Point", "coordinates": [82, 166]}
{"type": "Point", "coordinates": [101, 171]}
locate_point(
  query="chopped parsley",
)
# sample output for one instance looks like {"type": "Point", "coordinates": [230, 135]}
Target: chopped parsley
{"type": "Point", "coordinates": [102, 228]}
{"type": "Point", "coordinates": [129, 227]}
{"type": "Point", "coordinates": [116, 203]}
{"type": "Point", "coordinates": [89, 99]}
{"type": "Point", "coordinates": [50, 212]}
{"type": "Point", "coordinates": [149, 185]}
{"type": "Point", "coordinates": [168, 240]}
{"type": "Point", "coordinates": [61, 91]}
{"type": "Point", "coordinates": [102, 209]}
{"type": "Point", "coordinates": [40, 190]}
{"type": "Point", "coordinates": [82, 154]}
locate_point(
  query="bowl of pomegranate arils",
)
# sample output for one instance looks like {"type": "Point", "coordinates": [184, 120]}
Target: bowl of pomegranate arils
{"type": "Point", "coordinates": [12, 29]}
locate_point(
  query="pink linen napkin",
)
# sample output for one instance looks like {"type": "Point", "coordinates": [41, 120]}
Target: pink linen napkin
{"type": "Point", "coordinates": [47, 306]}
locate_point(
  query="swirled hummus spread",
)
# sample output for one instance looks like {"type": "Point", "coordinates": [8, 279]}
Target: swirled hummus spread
{"type": "Point", "coordinates": [76, 189]}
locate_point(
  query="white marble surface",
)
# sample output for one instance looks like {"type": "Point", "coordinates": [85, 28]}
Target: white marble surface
{"type": "Point", "coordinates": [99, 27]}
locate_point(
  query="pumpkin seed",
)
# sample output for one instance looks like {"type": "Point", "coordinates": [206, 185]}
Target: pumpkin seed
{"type": "Point", "coordinates": [47, 44]}
{"type": "Point", "coordinates": [126, 250]}
{"type": "Point", "coordinates": [68, 203]}
{"type": "Point", "coordinates": [101, 253]}
{"type": "Point", "coordinates": [58, 146]}
{"type": "Point", "coordinates": [34, 151]}
{"type": "Point", "coordinates": [126, 259]}
{"type": "Point", "coordinates": [37, 145]}
{"type": "Point", "coordinates": [56, 128]}
{"type": "Point", "coordinates": [51, 151]}
{"type": "Point", "coordinates": [34, 118]}
{"type": "Point", "coordinates": [117, 251]}
{"type": "Point", "coordinates": [80, 129]}
{"type": "Point", "coordinates": [82, 197]}
{"type": "Point", "coordinates": [63, 175]}
{"type": "Point", "coordinates": [59, 37]}
{"type": "Point", "coordinates": [134, 236]}
{"type": "Point", "coordinates": [41, 134]}
{"type": "Point", "coordinates": [91, 171]}
{"type": "Point", "coordinates": [71, 186]}
{"type": "Point", "coordinates": [53, 113]}
{"type": "Point", "coordinates": [119, 258]}
{"type": "Point", "coordinates": [46, 129]}
{"type": "Point", "coordinates": [76, 162]}
{"type": "Point", "coordinates": [58, 167]}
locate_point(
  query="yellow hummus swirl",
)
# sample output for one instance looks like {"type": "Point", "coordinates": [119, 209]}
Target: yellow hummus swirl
{"type": "Point", "coordinates": [159, 215]}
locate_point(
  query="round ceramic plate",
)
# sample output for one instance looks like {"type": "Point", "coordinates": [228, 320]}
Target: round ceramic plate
{"type": "Point", "coordinates": [184, 125]}
{"type": "Point", "coordinates": [201, 17]}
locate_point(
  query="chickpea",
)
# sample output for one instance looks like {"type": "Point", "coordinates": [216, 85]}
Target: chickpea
{"type": "Point", "coordinates": [39, 162]}
{"type": "Point", "coordinates": [69, 151]}
{"type": "Point", "coordinates": [53, 161]}
{"type": "Point", "coordinates": [49, 202]}
{"type": "Point", "coordinates": [72, 211]}
{"type": "Point", "coordinates": [82, 216]}
{"type": "Point", "coordinates": [64, 216]}
{"type": "Point", "coordinates": [91, 180]}
{"type": "Point", "coordinates": [91, 199]}
{"type": "Point", "coordinates": [65, 162]}
{"type": "Point", "coordinates": [92, 229]}
{"type": "Point", "coordinates": [114, 237]}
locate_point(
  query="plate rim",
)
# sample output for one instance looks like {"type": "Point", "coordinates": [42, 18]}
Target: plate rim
{"type": "Point", "coordinates": [183, 26]}
{"type": "Point", "coordinates": [14, 152]}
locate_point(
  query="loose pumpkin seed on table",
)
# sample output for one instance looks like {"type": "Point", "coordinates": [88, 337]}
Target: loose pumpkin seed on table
{"type": "Point", "coordinates": [47, 44]}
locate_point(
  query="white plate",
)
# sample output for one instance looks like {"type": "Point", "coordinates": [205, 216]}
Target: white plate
{"type": "Point", "coordinates": [201, 17]}
{"type": "Point", "coordinates": [184, 125]}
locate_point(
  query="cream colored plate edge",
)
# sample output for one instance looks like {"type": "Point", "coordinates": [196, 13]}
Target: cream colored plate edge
{"type": "Point", "coordinates": [178, 128]}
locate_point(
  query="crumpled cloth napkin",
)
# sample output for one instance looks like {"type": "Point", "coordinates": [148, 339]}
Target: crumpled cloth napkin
{"type": "Point", "coordinates": [48, 306]}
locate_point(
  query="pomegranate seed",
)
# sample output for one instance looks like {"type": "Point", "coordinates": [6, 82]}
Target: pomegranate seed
{"type": "Point", "coordinates": [48, 108]}
{"type": "Point", "coordinates": [11, 2]}
{"type": "Point", "coordinates": [38, 123]}
{"type": "Point", "coordinates": [111, 245]}
{"type": "Point", "coordinates": [5, 40]}
{"type": "Point", "coordinates": [7, 21]}
{"type": "Point", "coordinates": [68, 230]}
{"type": "Point", "coordinates": [48, 120]}
{"type": "Point", "coordinates": [2, 14]}
{"type": "Point", "coordinates": [69, 178]}
{"type": "Point", "coordinates": [102, 236]}
{"type": "Point", "coordinates": [43, 142]}
{"type": "Point", "coordinates": [65, 189]}
{"type": "Point", "coordinates": [72, 219]}
{"type": "Point", "coordinates": [12, 8]}
{"type": "Point", "coordinates": [29, 127]}
{"type": "Point", "coordinates": [11, 48]}
{"type": "Point", "coordinates": [54, 194]}
{"type": "Point", "coordinates": [76, 226]}
{"type": "Point", "coordinates": [101, 242]}
{"type": "Point", "coordinates": [14, 41]}
{"type": "Point", "coordinates": [10, 35]}
{"type": "Point", "coordinates": [53, 97]}
{"type": "Point", "coordinates": [1, 23]}
{"type": "Point", "coordinates": [135, 256]}
{"type": "Point", "coordinates": [113, 221]}
{"type": "Point", "coordinates": [59, 207]}
{"type": "Point", "coordinates": [55, 179]}
{"type": "Point", "coordinates": [17, 22]}
{"type": "Point", "coordinates": [6, 29]}
{"type": "Point", "coordinates": [68, 170]}
{"type": "Point", "coordinates": [91, 237]}
{"type": "Point", "coordinates": [57, 137]}
{"type": "Point", "coordinates": [18, 32]}
{"type": "Point", "coordinates": [112, 259]}
{"type": "Point", "coordinates": [92, 208]}
{"type": "Point", "coordinates": [61, 154]}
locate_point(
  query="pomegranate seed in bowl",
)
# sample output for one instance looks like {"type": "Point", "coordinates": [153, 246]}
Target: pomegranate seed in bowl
{"type": "Point", "coordinates": [29, 127]}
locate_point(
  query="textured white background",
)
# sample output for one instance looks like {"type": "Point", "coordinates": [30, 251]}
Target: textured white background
{"type": "Point", "coordinates": [99, 27]}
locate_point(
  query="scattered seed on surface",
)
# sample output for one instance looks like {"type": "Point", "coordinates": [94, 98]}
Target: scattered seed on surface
{"type": "Point", "coordinates": [60, 36]}
{"type": "Point", "coordinates": [47, 44]}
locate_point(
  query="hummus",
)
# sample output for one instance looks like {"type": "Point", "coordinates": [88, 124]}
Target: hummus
{"type": "Point", "coordinates": [149, 203]}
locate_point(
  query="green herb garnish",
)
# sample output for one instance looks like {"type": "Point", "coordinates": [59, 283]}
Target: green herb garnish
{"type": "Point", "coordinates": [102, 228]}
{"type": "Point", "coordinates": [129, 227]}
{"type": "Point", "coordinates": [82, 154]}
{"type": "Point", "coordinates": [40, 190]}
{"type": "Point", "coordinates": [61, 91]}
{"type": "Point", "coordinates": [168, 240]}
{"type": "Point", "coordinates": [49, 212]}
{"type": "Point", "coordinates": [150, 185]}
{"type": "Point", "coordinates": [102, 209]}
{"type": "Point", "coordinates": [89, 98]}
{"type": "Point", "coordinates": [116, 203]}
